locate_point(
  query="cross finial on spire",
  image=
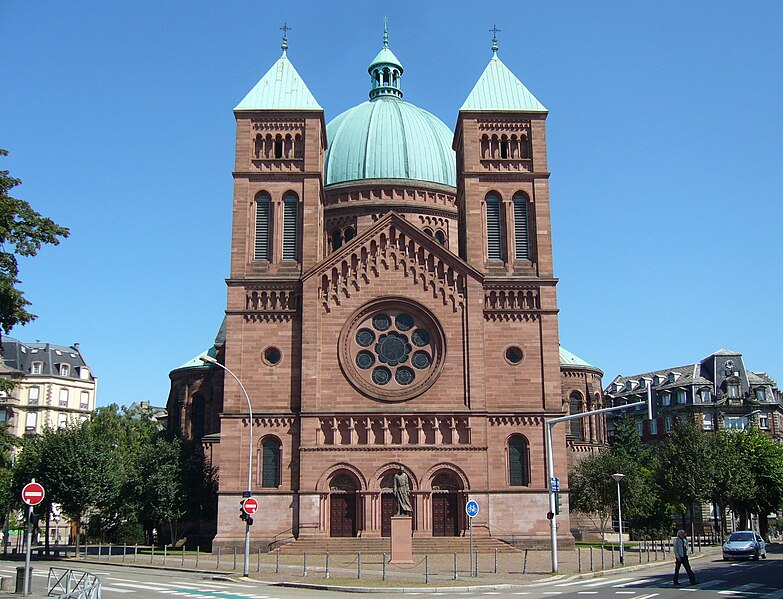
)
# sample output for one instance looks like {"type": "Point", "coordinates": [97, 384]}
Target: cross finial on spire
{"type": "Point", "coordinates": [385, 31]}
{"type": "Point", "coordinates": [285, 29]}
{"type": "Point", "coordinates": [494, 31]}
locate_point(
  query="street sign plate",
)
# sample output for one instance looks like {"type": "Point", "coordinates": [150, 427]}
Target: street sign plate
{"type": "Point", "coordinates": [472, 508]}
{"type": "Point", "coordinates": [33, 493]}
{"type": "Point", "coordinates": [250, 505]}
{"type": "Point", "coordinates": [247, 493]}
{"type": "Point", "coordinates": [554, 484]}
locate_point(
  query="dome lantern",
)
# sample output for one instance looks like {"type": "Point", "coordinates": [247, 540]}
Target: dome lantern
{"type": "Point", "coordinates": [385, 70]}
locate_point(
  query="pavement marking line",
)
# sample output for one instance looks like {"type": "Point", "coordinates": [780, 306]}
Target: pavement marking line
{"type": "Point", "coordinates": [749, 587]}
{"type": "Point", "coordinates": [601, 583]}
{"type": "Point", "coordinates": [633, 582]}
{"type": "Point", "coordinates": [552, 593]}
{"type": "Point", "coordinates": [773, 595]}
{"type": "Point", "coordinates": [625, 592]}
{"type": "Point", "coordinates": [728, 592]}
{"type": "Point", "coordinates": [648, 596]}
{"type": "Point", "coordinates": [711, 583]}
{"type": "Point", "coordinates": [144, 587]}
{"type": "Point", "coordinates": [113, 590]}
{"type": "Point", "coordinates": [587, 593]}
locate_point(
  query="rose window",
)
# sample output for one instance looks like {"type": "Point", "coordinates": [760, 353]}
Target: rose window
{"type": "Point", "coordinates": [392, 350]}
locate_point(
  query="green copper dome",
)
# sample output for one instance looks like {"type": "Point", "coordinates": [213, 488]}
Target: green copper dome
{"type": "Point", "coordinates": [387, 138]}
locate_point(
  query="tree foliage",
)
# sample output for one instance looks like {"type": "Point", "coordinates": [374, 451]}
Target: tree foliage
{"type": "Point", "coordinates": [22, 233]}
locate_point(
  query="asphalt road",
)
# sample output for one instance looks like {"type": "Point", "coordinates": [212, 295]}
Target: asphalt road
{"type": "Point", "coordinates": [757, 580]}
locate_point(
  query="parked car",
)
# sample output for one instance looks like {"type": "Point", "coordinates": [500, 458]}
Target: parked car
{"type": "Point", "coordinates": [744, 543]}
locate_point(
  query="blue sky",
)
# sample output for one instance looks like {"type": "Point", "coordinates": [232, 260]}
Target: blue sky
{"type": "Point", "coordinates": [664, 139]}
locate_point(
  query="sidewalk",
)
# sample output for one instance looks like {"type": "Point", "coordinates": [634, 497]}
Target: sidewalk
{"type": "Point", "coordinates": [366, 572]}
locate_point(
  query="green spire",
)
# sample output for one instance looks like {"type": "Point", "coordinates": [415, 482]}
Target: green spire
{"type": "Point", "coordinates": [385, 70]}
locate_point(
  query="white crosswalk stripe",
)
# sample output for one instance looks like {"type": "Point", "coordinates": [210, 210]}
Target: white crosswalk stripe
{"type": "Point", "coordinates": [115, 590]}
{"type": "Point", "coordinates": [773, 595]}
{"type": "Point", "coordinates": [711, 583]}
{"type": "Point", "coordinates": [633, 582]}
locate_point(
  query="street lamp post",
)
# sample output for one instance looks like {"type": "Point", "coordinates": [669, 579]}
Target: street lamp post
{"type": "Point", "coordinates": [618, 477]}
{"type": "Point", "coordinates": [211, 360]}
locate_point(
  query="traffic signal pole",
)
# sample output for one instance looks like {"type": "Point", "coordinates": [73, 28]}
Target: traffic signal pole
{"type": "Point", "coordinates": [26, 585]}
{"type": "Point", "coordinates": [550, 424]}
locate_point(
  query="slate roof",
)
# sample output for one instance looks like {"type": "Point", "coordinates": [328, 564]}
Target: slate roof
{"type": "Point", "coordinates": [20, 357]}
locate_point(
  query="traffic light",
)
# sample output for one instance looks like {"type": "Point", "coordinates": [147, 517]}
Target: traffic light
{"type": "Point", "coordinates": [242, 514]}
{"type": "Point", "coordinates": [34, 518]}
{"type": "Point", "coordinates": [249, 520]}
{"type": "Point", "coordinates": [558, 505]}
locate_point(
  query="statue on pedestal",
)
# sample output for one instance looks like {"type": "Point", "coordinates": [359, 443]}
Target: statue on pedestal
{"type": "Point", "coordinates": [402, 492]}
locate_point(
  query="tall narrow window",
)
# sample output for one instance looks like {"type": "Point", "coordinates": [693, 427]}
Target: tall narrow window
{"type": "Point", "coordinates": [575, 407]}
{"type": "Point", "coordinates": [270, 463]}
{"type": "Point", "coordinates": [290, 226]}
{"type": "Point", "coordinates": [518, 461]}
{"type": "Point", "coordinates": [494, 238]}
{"type": "Point", "coordinates": [262, 227]}
{"type": "Point", "coordinates": [521, 243]}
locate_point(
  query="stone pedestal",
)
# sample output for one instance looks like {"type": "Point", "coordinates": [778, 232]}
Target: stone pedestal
{"type": "Point", "coordinates": [401, 540]}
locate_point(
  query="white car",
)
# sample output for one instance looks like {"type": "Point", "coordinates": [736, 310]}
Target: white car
{"type": "Point", "coordinates": [744, 543]}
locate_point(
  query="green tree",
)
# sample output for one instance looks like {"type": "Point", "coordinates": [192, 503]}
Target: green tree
{"type": "Point", "coordinates": [726, 472]}
{"type": "Point", "coordinates": [22, 233]}
{"type": "Point", "coordinates": [681, 474]}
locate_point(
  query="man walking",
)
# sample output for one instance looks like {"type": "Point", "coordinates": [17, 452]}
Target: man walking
{"type": "Point", "coordinates": [681, 557]}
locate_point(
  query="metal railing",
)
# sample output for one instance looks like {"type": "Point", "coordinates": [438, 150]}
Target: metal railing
{"type": "Point", "coordinates": [72, 584]}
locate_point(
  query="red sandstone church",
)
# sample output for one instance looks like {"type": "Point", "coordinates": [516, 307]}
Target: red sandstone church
{"type": "Point", "coordinates": [391, 305]}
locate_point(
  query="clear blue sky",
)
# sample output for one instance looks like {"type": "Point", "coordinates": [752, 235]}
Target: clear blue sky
{"type": "Point", "coordinates": [664, 140]}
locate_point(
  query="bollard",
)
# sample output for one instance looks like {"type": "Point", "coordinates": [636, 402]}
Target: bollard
{"type": "Point", "coordinates": [198, 549]}
{"type": "Point", "coordinates": [578, 559]}
{"type": "Point", "coordinates": [108, 553]}
{"type": "Point", "coordinates": [603, 566]}
{"type": "Point", "coordinates": [655, 551]}
{"type": "Point", "coordinates": [384, 566]}
{"type": "Point", "coordinates": [217, 563]}
{"type": "Point", "coordinates": [648, 552]}
{"type": "Point", "coordinates": [258, 560]}
{"type": "Point", "coordinates": [234, 567]}
{"type": "Point", "coordinates": [182, 565]}
{"type": "Point", "coordinates": [698, 543]}
{"type": "Point", "coordinates": [475, 562]}
{"type": "Point", "coordinates": [359, 565]}
{"type": "Point", "coordinates": [124, 551]}
{"type": "Point", "coordinates": [100, 551]}
{"type": "Point", "coordinates": [304, 565]}
{"type": "Point", "coordinates": [640, 553]}
{"type": "Point", "coordinates": [426, 569]}
{"type": "Point", "coordinates": [524, 564]}
{"type": "Point", "coordinates": [165, 554]}
{"type": "Point", "coordinates": [135, 552]}
{"type": "Point", "coordinates": [152, 553]}
{"type": "Point", "coordinates": [455, 567]}
{"type": "Point", "coordinates": [591, 558]}
{"type": "Point", "coordinates": [611, 547]}
{"type": "Point", "coordinates": [277, 561]}
{"type": "Point", "coordinates": [496, 561]}
{"type": "Point", "coordinates": [327, 565]}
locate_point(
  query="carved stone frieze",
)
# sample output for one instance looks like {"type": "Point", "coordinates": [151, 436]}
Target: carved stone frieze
{"type": "Point", "coordinates": [515, 420]}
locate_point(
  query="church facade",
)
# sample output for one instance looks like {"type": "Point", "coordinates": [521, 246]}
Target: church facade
{"type": "Point", "coordinates": [391, 306]}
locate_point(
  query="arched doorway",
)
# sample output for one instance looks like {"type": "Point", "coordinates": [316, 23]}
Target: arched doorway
{"type": "Point", "coordinates": [342, 506]}
{"type": "Point", "coordinates": [446, 493]}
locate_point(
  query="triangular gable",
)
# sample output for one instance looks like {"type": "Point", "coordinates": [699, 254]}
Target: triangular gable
{"type": "Point", "coordinates": [393, 243]}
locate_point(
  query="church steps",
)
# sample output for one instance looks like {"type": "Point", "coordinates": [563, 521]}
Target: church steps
{"type": "Point", "coordinates": [431, 545]}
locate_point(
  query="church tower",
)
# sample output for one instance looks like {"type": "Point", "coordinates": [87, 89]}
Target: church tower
{"type": "Point", "coordinates": [277, 212]}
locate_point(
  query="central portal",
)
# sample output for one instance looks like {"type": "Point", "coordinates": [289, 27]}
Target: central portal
{"type": "Point", "coordinates": [446, 496]}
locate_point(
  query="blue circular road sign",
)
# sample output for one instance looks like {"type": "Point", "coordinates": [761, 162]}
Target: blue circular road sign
{"type": "Point", "coordinates": [472, 508]}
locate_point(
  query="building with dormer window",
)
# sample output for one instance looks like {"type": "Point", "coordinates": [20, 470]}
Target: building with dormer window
{"type": "Point", "coordinates": [54, 386]}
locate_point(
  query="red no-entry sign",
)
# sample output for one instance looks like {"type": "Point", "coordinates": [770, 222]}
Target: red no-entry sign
{"type": "Point", "coordinates": [250, 506]}
{"type": "Point", "coordinates": [33, 493]}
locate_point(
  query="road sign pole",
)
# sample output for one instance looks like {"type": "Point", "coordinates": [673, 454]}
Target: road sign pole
{"type": "Point", "coordinates": [26, 586]}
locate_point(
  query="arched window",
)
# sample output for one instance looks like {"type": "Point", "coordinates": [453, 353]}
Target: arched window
{"type": "Point", "coordinates": [270, 463]}
{"type": "Point", "coordinates": [263, 202]}
{"type": "Point", "coordinates": [348, 234]}
{"type": "Point", "coordinates": [440, 237]}
{"type": "Point", "coordinates": [494, 236]}
{"type": "Point", "coordinates": [279, 147]}
{"type": "Point", "coordinates": [337, 239]}
{"type": "Point", "coordinates": [290, 225]}
{"type": "Point", "coordinates": [521, 243]}
{"type": "Point", "coordinates": [518, 461]}
{"type": "Point", "coordinates": [575, 407]}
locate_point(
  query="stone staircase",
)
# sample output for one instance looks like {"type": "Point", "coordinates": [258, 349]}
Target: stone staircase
{"type": "Point", "coordinates": [421, 546]}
